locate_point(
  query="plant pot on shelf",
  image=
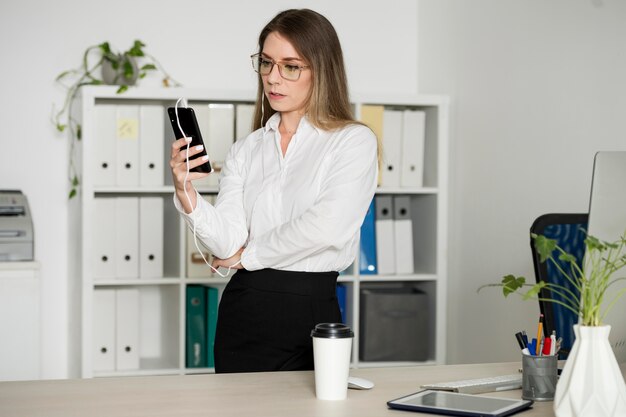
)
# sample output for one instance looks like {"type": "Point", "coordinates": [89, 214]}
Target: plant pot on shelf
{"type": "Point", "coordinates": [591, 384]}
{"type": "Point", "coordinates": [116, 76]}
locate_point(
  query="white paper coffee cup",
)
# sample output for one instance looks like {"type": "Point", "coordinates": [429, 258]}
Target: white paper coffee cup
{"type": "Point", "coordinates": [332, 344]}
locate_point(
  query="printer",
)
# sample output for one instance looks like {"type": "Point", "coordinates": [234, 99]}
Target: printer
{"type": "Point", "coordinates": [16, 227]}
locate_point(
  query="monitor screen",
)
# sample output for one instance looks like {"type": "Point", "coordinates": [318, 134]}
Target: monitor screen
{"type": "Point", "coordinates": [607, 221]}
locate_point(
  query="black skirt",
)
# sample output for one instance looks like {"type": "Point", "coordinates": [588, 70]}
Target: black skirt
{"type": "Point", "coordinates": [265, 319]}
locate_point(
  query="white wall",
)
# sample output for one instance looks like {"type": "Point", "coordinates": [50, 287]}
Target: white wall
{"type": "Point", "coordinates": [537, 88]}
{"type": "Point", "coordinates": [202, 44]}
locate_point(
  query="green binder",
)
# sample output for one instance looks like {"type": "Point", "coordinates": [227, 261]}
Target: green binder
{"type": "Point", "coordinates": [212, 303]}
{"type": "Point", "coordinates": [196, 327]}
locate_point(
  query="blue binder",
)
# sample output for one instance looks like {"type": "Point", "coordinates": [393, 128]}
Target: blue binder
{"type": "Point", "coordinates": [367, 259]}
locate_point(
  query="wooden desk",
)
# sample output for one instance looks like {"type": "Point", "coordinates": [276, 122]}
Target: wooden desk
{"type": "Point", "coordinates": [243, 395]}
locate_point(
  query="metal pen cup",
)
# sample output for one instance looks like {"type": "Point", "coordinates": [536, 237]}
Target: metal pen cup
{"type": "Point", "coordinates": [539, 377]}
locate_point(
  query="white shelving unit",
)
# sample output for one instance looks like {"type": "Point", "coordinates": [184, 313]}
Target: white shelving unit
{"type": "Point", "coordinates": [161, 330]}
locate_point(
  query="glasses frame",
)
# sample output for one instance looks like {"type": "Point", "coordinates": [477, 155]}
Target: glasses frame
{"type": "Point", "coordinates": [280, 64]}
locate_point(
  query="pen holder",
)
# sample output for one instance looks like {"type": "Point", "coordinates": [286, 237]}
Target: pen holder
{"type": "Point", "coordinates": [539, 377]}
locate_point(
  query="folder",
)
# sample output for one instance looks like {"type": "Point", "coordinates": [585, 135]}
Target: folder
{"type": "Point", "coordinates": [196, 327]}
{"type": "Point", "coordinates": [150, 237]}
{"type": "Point", "coordinates": [151, 149]}
{"type": "Point", "coordinates": [341, 300]}
{"type": "Point", "coordinates": [127, 329]}
{"type": "Point", "coordinates": [127, 138]}
{"type": "Point", "coordinates": [413, 132]}
{"type": "Point", "coordinates": [195, 265]}
{"type": "Point", "coordinates": [367, 258]}
{"type": "Point", "coordinates": [104, 330]}
{"type": "Point", "coordinates": [127, 237]}
{"type": "Point", "coordinates": [373, 116]}
{"type": "Point", "coordinates": [392, 148]}
{"type": "Point", "coordinates": [212, 297]}
{"type": "Point", "coordinates": [403, 231]}
{"type": "Point", "coordinates": [217, 125]}
{"type": "Point", "coordinates": [244, 120]}
{"type": "Point", "coordinates": [385, 238]}
{"type": "Point", "coordinates": [104, 144]}
{"type": "Point", "coordinates": [103, 237]}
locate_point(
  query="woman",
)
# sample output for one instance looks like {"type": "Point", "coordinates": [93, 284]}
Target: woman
{"type": "Point", "coordinates": [292, 197]}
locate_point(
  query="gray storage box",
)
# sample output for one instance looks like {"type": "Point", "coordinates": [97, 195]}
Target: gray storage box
{"type": "Point", "coordinates": [394, 325]}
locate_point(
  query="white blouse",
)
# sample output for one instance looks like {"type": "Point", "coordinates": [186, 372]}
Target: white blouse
{"type": "Point", "coordinates": [300, 212]}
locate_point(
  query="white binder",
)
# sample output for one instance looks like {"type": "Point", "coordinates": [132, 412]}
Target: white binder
{"type": "Point", "coordinates": [151, 144]}
{"type": "Point", "coordinates": [127, 237]}
{"type": "Point", "coordinates": [392, 148]}
{"type": "Point", "coordinates": [413, 131]}
{"type": "Point", "coordinates": [104, 330]}
{"type": "Point", "coordinates": [127, 138]}
{"type": "Point", "coordinates": [150, 237]}
{"type": "Point", "coordinates": [103, 238]}
{"type": "Point", "coordinates": [385, 239]}
{"type": "Point", "coordinates": [105, 150]}
{"type": "Point", "coordinates": [244, 120]}
{"type": "Point", "coordinates": [127, 329]}
{"type": "Point", "coordinates": [403, 232]}
{"type": "Point", "coordinates": [195, 265]}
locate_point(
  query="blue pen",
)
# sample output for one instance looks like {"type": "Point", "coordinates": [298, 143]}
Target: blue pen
{"type": "Point", "coordinates": [532, 346]}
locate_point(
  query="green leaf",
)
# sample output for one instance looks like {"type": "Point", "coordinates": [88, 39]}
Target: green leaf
{"type": "Point", "coordinates": [122, 89]}
{"type": "Point", "coordinates": [128, 69]}
{"type": "Point", "coordinates": [61, 127]}
{"type": "Point", "coordinates": [534, 291]}
{"type": "Point", "coordinates": [105, 48]}
{"type": "Point", "coordinates": [566, 257]}
{"type": "Point", "coordinates": [75, 181]}
{"type": "Point", "coordinates": [593, 242]}
{"type": "Point", "coordinates": [136, 49]}
{"type": "Point", "coordinates": [510, 284]}
{"type": "Point", "coordinates": [148, 67]}
{"type": "Point", "coordinates": [544, 247]}
{"type": "Point", "coordinates": [79, 132]}
{"type": "Point", "coordinates": [72, 193]}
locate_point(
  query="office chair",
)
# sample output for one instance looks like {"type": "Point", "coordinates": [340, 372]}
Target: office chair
{"type": "Point", "coordinates": [569, 231]}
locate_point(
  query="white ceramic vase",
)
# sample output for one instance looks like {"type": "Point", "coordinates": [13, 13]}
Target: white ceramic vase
{"type": "Point", "coordinates": [591, 384]}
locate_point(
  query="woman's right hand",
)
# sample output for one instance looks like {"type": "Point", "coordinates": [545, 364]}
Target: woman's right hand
{"type": "Point", "coordinates": [178, 165]}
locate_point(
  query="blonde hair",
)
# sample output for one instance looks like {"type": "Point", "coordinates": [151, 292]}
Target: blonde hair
{"type": "Point", "coordinates": [314, 38]}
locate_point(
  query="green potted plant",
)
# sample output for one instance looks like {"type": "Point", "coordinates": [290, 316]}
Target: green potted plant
{"type": "Point", "coordinates": [101, 65]}
{"type": "Point", "coordinates": [583, 390]}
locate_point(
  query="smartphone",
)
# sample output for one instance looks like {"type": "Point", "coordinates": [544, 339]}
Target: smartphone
{"type": "Point", "coordinates": [189, 124]}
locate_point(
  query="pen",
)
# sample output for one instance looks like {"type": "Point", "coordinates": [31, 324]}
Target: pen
{"type": "Point", "coordinates": [553, 343]}
{"type": "Point", "coordinates": [547, 346]}
{"type": "Point", "coordinates": [539, 333]}
{"type": "Point", "coordinates": [541, 347]}
{"type": "Point", "coordinates": [520, 340]}
{"type": "Point", "coordinates": [525, 337]}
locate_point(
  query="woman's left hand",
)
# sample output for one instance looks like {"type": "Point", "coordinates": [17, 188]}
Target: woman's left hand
{"type": "Point", "coordinates": [234, 262]}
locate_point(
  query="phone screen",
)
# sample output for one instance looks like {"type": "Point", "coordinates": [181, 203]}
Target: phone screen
{"type": "Point", "coordinates": [189, 123]}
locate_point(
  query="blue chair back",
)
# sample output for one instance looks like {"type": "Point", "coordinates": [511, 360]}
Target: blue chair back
{"type": "Point", "coordinates": [569, 231]}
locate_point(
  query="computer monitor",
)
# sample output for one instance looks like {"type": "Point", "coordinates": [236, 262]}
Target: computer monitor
{"type": "Point", "coordinates": [607, 221]}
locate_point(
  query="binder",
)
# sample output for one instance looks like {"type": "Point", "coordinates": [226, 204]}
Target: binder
{"type": "Point", "coordinates": [151, 141]}
{"type": "Point", "coordinates": [212, 297]}
{"type": "Point", "coordinates": [413, 132]}
{"type": "Point", "coordinates": [127, 237]}
{"type": "Point", "coordinates": [196, 327]}
{"type": "Point", "coordinates": [392, 148]}
{"type": "Point", "coordinates": [373, 116]}
{"type": "Point", "coordinates": [341, 300]}
{"type": "Point", "coordinates": [104, 330]}
{"type": "Point", "coordinates": [403, 231]}
{"type": "Point", "coordinates": [217, 124]}
{"type": "Point", "coordinates": [104, 145]}
{"type": "Point", "coordinates": [104, 238]}
{"type": "Point", "coordinates": [127, 138]}
{"type": "Point", "coordinates": [385, 238]}
{"type": "Point", "coordinates": [195, 265]}
{"type": "Point", "coordinates": [244, 120]}
{"type": "Point", "coordinates": [127, 329]}
{"type": "Point", "coordinates": [150, 237]}
{"type": "Point", "coordinates": [367, 258]}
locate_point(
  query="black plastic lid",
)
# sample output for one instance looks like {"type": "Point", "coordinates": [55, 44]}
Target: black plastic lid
{"type": "Point", "coordinates": [332, 331]}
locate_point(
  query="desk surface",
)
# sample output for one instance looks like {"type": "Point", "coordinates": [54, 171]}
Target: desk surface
{"type": "Point", "coordinates": [273, 394]}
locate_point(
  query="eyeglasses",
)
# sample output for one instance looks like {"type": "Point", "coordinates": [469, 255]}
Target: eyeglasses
{"type": "Point", "coordinates": [265, 66]}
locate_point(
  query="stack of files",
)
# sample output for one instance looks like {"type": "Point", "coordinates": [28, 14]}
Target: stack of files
{"type": "Point", "coordinates": [201, 323]}
{"type": "Point", "coordinates": [402, 133]}
{"type": "Point", "coordinates": [128, 237]}
{"type": "Point", "coordinates": [129, 145]}
{"type": "Point", "coordinates": [394, 235]}
{"type": "Point", "coordinates": [116, 329]}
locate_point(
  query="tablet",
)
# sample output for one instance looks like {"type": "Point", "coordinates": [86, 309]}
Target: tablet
{"type": "Point", "coordinates": [456, 404]}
